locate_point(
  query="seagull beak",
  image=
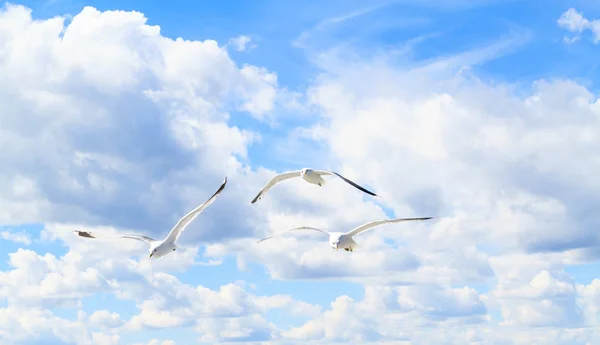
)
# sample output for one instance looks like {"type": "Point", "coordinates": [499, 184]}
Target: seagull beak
{"type": "Point", "coordinates": [151, 254]}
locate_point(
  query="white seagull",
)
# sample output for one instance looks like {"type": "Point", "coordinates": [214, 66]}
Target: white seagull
{"type": "Point", "coordinates": [308, 175]}
{"type": "Point", "coordinates": [344, 240]}
{"type": "Point", "coordinates": [159, 249]}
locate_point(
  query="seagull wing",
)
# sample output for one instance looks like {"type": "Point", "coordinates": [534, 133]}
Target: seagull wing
{"type": "Point", "coordinates": [376, 223]}
{"type": "Point", "coordinates": [88, 234]}
{"type": "Point", "coordinates": [275, 180]}
{"type": "Point", "coordinates": [327, 172]}
{"type": "Point", "coordinates": [188, 218]}
{"type": "Point", "coordinates": [294, 229]}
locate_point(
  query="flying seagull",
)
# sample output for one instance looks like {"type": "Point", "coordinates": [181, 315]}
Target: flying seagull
{"type": "Point", "coordinates": [159, 249]}
{"type": "Point", "coordinates": [308, 175]}
{"type": "Point", "coordinates": [344, 240]}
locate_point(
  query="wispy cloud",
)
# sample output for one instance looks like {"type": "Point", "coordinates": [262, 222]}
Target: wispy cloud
{"type": "Point", "coordinates": [575, 22]}
{"type": "Point", "coordinates": [17, 237]}
{"type": "Point", "coordinates": [302, 40]}
{"type": "Point", "coordinates": [478, 55]}
{"type": "Point", "coordinates": [242, 43]}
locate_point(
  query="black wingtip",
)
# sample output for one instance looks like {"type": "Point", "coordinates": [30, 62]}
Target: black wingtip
{"type": "Point", "coordinates": [369, 192]}
{"type": "Point", "coordinates": [222, 185]}
{"type": "Point", "coordinates": [83, 234]}
{"type": "Point", "coordinates": [264, 239]}
{"type": "Point", "coordinates": [256, 198]}
{"type": "Point", "coordinates": [355, 185]}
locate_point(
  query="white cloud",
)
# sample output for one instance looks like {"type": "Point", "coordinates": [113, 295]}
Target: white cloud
{"type": "Point", "coordinates": [17, 237]}
{"type": "Point", "coordinates": [242, 43]}
{"type": "Point", "coordinates": [575, 22]}
{"type": "Point", "coordinates": [158, 342]}
{"type": "Point", "coordinates": [122, 126]}
{"type": "Point", "coordinates": [35, 326]}
{"type": "Point", "coordinates": [37, 284]}
{"type": "Point", "coordinates": [546, 301]}
{"type": "Point", "coordinates": [45, 281]}
{"type": "Point", "coordinates": [105, 318]}
{"type": "Point", "coordinates": [378, 315]}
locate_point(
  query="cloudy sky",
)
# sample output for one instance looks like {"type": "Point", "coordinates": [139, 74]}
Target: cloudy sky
{"type": "Point", "coordinates": [121, 116]}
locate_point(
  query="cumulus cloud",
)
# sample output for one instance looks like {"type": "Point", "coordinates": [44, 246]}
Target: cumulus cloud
{"type": "Point", "coordinates": [449, 148]}
{"type": "Point", "coordinates": [122, 126]}
{"type": "Point", "coordinates": [37, 284]}
{"type": "Point", "coordinates": [374, 317]}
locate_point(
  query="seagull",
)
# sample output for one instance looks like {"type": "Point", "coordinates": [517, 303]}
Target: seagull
{"type": "Point", "coordinates": [157, 248]}
{"type": "Point", "coordinates": [344, 240]}
{"type": "Point", "coordinates": [308, 175]}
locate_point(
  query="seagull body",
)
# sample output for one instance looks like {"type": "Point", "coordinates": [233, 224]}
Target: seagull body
{"type": "Point", "coordinates": [158, 249]}
{"type": "Point", "coordinates": [309, 175]}
{"type": "Point", "coordinates": [344, 240]}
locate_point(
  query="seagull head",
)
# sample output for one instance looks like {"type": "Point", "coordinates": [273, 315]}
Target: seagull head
{"type": "Point", "coordinates": [335, 244]}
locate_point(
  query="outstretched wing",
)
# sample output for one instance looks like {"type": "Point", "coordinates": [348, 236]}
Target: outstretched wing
{"type": "Point", "coordinates": [275, 180]}
{"type": "Point", "coordinates": [188, 218]}
{"type": "Point", "coordinates": [327, 172]}
{"type": "Point", "coordinates": [294, 229]}
{"type": "Point", "coordinates": [376, 223]}
{"type": "Point", "coordinates": [88, 234]}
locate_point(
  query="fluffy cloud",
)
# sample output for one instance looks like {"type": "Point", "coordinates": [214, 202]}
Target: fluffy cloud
{"type": "Point", "coordinates": [121, 126]}
{"type": "Point", "coordinates": [38, 284]}
{"type": "Point", "coordinates": [383, 308]}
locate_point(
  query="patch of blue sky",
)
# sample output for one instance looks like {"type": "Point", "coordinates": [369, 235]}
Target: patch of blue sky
{"type": "Point", "coordinates": [530, 44]}
{"type": "Point", "coordinates": [6, 248]}
{"type": "Point", "coordinates": [33, 231]}
{"type": "Point", "coordinates": [272, 24]}
{"type": "Point", "coordinates": [585, 273]}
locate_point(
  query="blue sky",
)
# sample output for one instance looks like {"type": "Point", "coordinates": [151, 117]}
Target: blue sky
{"type": "Point", "coordinates": [480, 113]}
